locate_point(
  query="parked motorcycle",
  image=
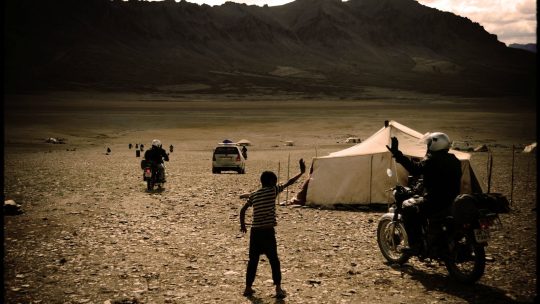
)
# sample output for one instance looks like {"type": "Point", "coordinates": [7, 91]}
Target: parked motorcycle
{"type": "Point", "coordinates": [458, 239]}
{"type": "Point", "coordinates": [151, 175]}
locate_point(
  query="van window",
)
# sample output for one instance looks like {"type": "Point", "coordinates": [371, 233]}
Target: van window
{"type": "Point", "coordinates": [226, 150]}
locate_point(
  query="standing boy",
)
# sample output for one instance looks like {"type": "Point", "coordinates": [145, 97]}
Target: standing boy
{"type": "Point", "coordinates": [262, 239]}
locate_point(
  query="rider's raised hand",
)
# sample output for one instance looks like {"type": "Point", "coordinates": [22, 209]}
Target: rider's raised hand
{"type": "Point", "coordinates": [394, 146]}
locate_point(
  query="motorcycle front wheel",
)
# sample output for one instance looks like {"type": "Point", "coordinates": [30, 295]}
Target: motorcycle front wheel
{"type": "Point", "coordinates": [466, 261]}
{"type": "Point", "coordinates": [391, 238]}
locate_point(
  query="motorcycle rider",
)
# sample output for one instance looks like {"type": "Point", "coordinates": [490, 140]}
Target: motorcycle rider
{"type": "Point", "coordinates": [155, 156]}
{"type": "Point", "coordinates": [442, 182]}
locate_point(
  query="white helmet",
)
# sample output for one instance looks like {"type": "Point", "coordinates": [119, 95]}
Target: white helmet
{"type": "Point", "coordinates": [156, 143]}
{"type": "Point", "coordinates": [437, 141]}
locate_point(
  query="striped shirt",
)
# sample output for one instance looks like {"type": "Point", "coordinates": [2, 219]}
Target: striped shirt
{"type": "Point", "coordinates": [264, 206]}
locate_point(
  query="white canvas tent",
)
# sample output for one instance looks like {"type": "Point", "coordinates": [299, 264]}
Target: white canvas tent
{"type": "Point", "coordinates": [358, 175]}
{"type": "Point", "coordinates": [530, 148]}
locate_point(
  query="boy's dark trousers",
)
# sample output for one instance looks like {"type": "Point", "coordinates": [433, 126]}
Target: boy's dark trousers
{"type": "Point", "coordinates": [263, 241]}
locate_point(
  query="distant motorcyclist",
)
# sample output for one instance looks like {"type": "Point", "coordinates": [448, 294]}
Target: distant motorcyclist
{"type": "Point", "coordinates": [442, 183]}
{"type": "Point", "coordinates": [156, 155]}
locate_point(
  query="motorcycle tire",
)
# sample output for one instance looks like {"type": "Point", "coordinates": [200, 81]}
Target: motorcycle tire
{"type": "Point", "coordinates": [150, 185]}
{"type": "Point", "coordinates": [391, 237]}
{"type": "Point", "coordinates": [466, 261]}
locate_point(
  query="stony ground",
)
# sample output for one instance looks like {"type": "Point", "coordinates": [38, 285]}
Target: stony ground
{"type": "Point", "coordinates": [91, 233]}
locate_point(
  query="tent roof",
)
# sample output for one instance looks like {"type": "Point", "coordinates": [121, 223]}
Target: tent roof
{"type": "Point", "coordinates": [410, 143]}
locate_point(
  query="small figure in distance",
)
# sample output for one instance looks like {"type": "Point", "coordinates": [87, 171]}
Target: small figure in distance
{"type": "Point", "coordinates": [262, 238]}
{"type": "Point", "coordinates": [244, 152]}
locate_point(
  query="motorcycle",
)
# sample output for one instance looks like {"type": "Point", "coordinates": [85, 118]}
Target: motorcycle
{"type": "Point", "coordinates": [151, 175]}
{"type": "Point", "coordinates": [458, 239]}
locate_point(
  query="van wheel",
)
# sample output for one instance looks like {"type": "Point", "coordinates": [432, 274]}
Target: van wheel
{"type": "Point", "coordinates": [242, 171]}
{"type": "Point", "coordinates": [216, 171]}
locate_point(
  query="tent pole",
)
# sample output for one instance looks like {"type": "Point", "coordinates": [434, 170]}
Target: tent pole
{"type": "Point", "coordinates": [370, 177]}
{"type": "Point", "coordinates": [512, 185]}
{"type": "Point", "coordinates": [528, 171]}
{"type": "Point", "coordinates": [489, 170]}
{"type": "Point", "coordinates": [288, 165]}
{"type": "Point", "coordinates": [278, 173]}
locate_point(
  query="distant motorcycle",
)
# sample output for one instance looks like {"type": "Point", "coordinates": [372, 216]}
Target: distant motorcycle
{"type": "Point", "coordinates": [457, 239]}
{"type": "Point", "coordinates": [151, 175]}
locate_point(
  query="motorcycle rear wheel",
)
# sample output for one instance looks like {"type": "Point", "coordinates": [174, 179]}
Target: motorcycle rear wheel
{"type": "Point", "coordinates": [150, 185]}
{"type": "Point", "coordinates": [391, 238]}
{"type": "Point", "coordinates": [467, 260]}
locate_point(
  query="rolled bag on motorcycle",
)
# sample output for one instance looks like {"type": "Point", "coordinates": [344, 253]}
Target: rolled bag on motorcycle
{"type": "Point", "coordinates": [467, 207]}
{"type": "Point", "coordinates": [145, 164]}
{"type": "Point", "coordinates": [157, 173]}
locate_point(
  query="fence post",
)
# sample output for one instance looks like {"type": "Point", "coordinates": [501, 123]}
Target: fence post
{"type": "Point", "coordinates": [512, 185]}
{"type": "Point", "coordinates": [489, 170]}
{"type": "Point", "coordinates": [278, 173]}
{"type": "Point", "coordinates": [288, 165]}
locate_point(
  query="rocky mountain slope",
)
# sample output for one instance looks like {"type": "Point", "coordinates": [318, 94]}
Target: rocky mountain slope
{"type": "Point", "coordinates": [325, 45]}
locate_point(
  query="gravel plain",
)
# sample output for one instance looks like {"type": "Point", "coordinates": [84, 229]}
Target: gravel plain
{"type": "Point", "coordinates": [91, 233]}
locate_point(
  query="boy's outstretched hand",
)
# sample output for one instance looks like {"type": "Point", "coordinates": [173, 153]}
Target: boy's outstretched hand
{"type": "Point", "coordinates": [302, 165]}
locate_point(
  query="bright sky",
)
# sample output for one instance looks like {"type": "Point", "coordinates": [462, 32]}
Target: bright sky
{"type": "Point", "coordinates": [513, 21]}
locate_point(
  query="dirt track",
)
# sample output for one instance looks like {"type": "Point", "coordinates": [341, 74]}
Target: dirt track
{"type": "Point", "coordinates": [90, 233]}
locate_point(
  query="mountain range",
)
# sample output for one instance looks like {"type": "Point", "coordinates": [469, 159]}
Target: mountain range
{"type": "Point", "coordinates": [306, 46]}
{"type": "Point", "coordinates": [531, 47]}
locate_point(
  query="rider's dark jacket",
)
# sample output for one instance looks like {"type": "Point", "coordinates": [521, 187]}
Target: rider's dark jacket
{"type": "Point", "coordinates": [156, 155]}
{"type": "Point", "coordinates": [441, 177]}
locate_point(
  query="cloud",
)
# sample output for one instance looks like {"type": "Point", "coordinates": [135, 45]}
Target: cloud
{"type": "Point", "coordinates": [527, 7]}
{"type": "Point", "coordinates": [511, 21]}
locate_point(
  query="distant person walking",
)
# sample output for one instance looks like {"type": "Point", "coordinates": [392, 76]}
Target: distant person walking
{"type": "Point", "coordinates": [262, 238]}
{"type": "Point", "coordinates": [244, 151]}
{"type": "Point", "coordinates": [171, 148]}
{"type": "Point", "coordinates": [130, 146]}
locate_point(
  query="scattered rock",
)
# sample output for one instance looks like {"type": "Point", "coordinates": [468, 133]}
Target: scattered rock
{"type": "Point", "coordinates": [127, 301]}
{"type": "Point", "coordinates": [481, 148]}
{"type": "Point", "coordinates": [12, 208]}
{"type": "Point", "coordinates": [382, 281]}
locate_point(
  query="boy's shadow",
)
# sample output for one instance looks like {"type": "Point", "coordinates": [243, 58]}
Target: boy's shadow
{"type": "Point", "coordinates": [257, 300]}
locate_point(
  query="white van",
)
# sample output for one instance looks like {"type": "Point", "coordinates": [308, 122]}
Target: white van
{"type": "Point", "coordinates": [228, 157]}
